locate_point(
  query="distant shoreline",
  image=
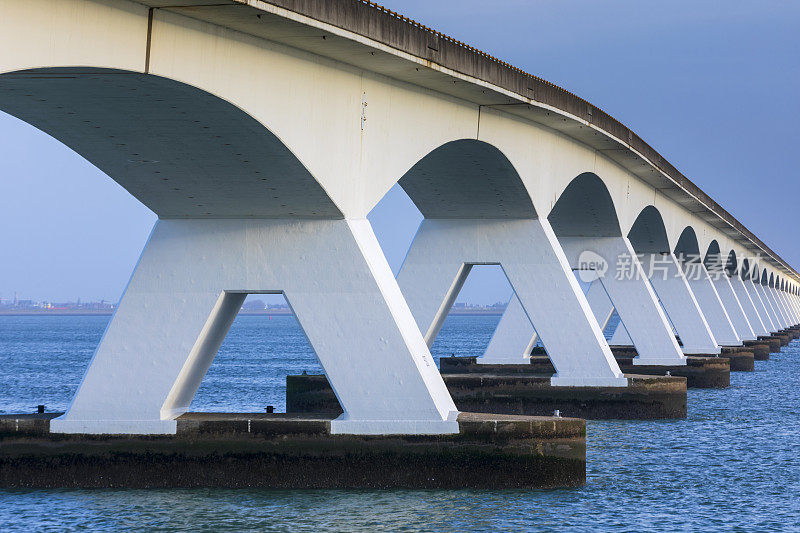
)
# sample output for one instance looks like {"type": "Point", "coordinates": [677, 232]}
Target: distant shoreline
{"type": "Point", "coordinates": [55, 312]}
{"type": "Point", "coordinates": [270, 312]}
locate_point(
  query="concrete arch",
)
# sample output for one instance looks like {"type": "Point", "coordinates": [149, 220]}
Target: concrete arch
{"type": "Point", "coordinates": [171, 145]}
{"type": "Point", "coordinates": [648, 233]}
{"type": "Point", "coordinates": [688, 245]}
{"type": "Point", "coordinates": [585, 209]}
{"type": "Point", "coordinates": [713, 257]}
{"type": "Point", "coordinates": [467, 178]}
{"type": "Point", "coordinates": [764, 280]}
{"type": "Point", "coordinates": [771, 281]}
{"type": "Point", "coordinates": [745, 271]}
{"type": "Point", "coordinates": [731, 264]}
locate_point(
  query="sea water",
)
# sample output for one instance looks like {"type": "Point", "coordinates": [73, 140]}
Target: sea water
{"type": "Point", "coordinates": [733, 464]}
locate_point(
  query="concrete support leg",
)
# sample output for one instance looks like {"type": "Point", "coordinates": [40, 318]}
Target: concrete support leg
{"type": "Point", "coordinates": [787, 305]}
{"type": "Point", "coordinates": [733, 307]}
{"type": "Point", "coordinates": [749, 307]}
{"type": "Point", "coordinates": [770, 308]}
{"type": "Point", "coordinates": [776, 306]}
{"type": "Point", "coordinates": [439, 260]}
{"type": "Point", "coordinates": [776, 302]}
{"type": "Point", "coordinates": [632, 296]}
{"type": "Point", "coordinates": [620, 337]}
{"type": "Point", "coordinates": [515, 336]}
{"type": "Point", "coordinates": [670, 284]}
{"type": "Point", "coordinates": [602, 307]}
{"type": "Point", "coordinates": [766, 316]}
{"type": "Point", "coordinates": [790, 304]}
{"type": "Point", "coordinates": [795, 306]}
{"type": "Point", "coordinates": [776, 296]}
{"type": "Point", "coordinates": [711, 304]}
{"type": "Point", "coordinates": [185, 292]}
{"type": "Point", "coordinates": [513, 339]}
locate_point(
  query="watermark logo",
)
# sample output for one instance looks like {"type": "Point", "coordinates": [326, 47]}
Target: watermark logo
{"type": "Point", "coordinates": [691, 267]}
{"type": "Point", "coordinates": [591, 266]}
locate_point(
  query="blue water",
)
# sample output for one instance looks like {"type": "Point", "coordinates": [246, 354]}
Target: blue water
{"type": "Point", "coordinates": [733, 464]}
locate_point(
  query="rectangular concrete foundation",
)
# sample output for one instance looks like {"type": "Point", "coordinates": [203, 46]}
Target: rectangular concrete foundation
{"type": "Point", "coordinates": [740, 359]}
{"type": "Point", "coordinates": [645, 397]}
{"type": "Point", "coordinates": [700, 372]}
{"type": "Point", "coordinates": [297, 452]}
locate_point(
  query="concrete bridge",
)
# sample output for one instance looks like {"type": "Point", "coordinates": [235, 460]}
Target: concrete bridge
{"type": "Point", "coordinates": [262, 133]}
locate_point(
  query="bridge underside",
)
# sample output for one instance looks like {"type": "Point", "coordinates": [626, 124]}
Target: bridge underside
{"type": "Point", "coordinates": [182, 152]}
{"type": "Point", "coordinates": [262, 162]}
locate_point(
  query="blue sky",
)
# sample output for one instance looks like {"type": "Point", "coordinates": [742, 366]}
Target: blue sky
{"type": "Point", "coordinates": [713, 86]}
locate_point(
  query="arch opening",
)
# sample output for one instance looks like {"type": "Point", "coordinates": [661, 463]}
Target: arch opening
{"type": "Point", "coordinates": [687, 248]}
{"type": "Point", "coordinates": [648, 233]}
{"type": "Point", "coordinates": [713, 258]}
{"type": "Point", "coordinates": [745, 272]}
{"type": "Point", "coordinates": [585, 209]}
{"type": "Point", "coordinates": [467, 178]}
{"type": "Point", "coordinates": [181, 151]}
{"type": "Point", "coordinates": [731, 265]}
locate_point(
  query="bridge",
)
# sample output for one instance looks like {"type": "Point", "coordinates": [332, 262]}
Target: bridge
{"type": "Point", "coordinates": [262, 133]}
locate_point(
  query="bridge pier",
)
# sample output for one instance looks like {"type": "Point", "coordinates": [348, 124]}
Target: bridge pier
{"type": "Point", "coordinates": [731, 304]}
{"type": "Point", "coordinates": [681, 305]}
{"type": "Point", "coordinates": [789, 306]}
{"type": "Point", "coordinates": [777, 323]}
{"type": "Point", "coordinates": [780, 316]}
{"type": "Point", "coordinates": [749, 306]}
{"type": "Point", "coordinates": [184, 295]}
{"type": "Point", "coordinates": [634, 299]}
{"type": "Point", "coordinates": [438, 263]}
{"type": "Point", "coordinates": [709, 300]}
{"type": "Point", "coordinates": [761, 305]}
{"type": "Point", "coordinates": [641, 317]}
{"type": "Point", "coordinates": [778, 294]}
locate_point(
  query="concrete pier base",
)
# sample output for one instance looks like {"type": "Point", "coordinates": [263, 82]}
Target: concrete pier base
{"type": "Point", "coordinates": [791, 333]}
{"type": "Point", "coordinates": [739, 360]}
{"type": "Point", "coordinates": [774, 342]}
{"type": "Point", "coordinates": [297, 452]}
{"type": "Point", "coordinates": [700, 372]}
{"type": "Point", "coordinates": [742, 359]}
{"type": "Point", "coordinates": [760, 349]}
{"type": "Point", "coordinates": [645, 397]}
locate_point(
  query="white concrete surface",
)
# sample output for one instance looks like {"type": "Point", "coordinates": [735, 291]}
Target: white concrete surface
{"type": "Point", "coordinates": [186, 290]}
{"type": "Point", "coordinates": [749, 306]}
{"type": "Point", "coordinates": [235, 125]}
{"type": "Point", "coordinates": [634, 299]}
{"type": "Point", "coordinates": [732, 305]}
{"type": "Point", "coordinates": [439, 260]}
{"type": "Point", "coordinates": [710, 303]}
{"type": "Point", "coordinates": [669, 283]}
